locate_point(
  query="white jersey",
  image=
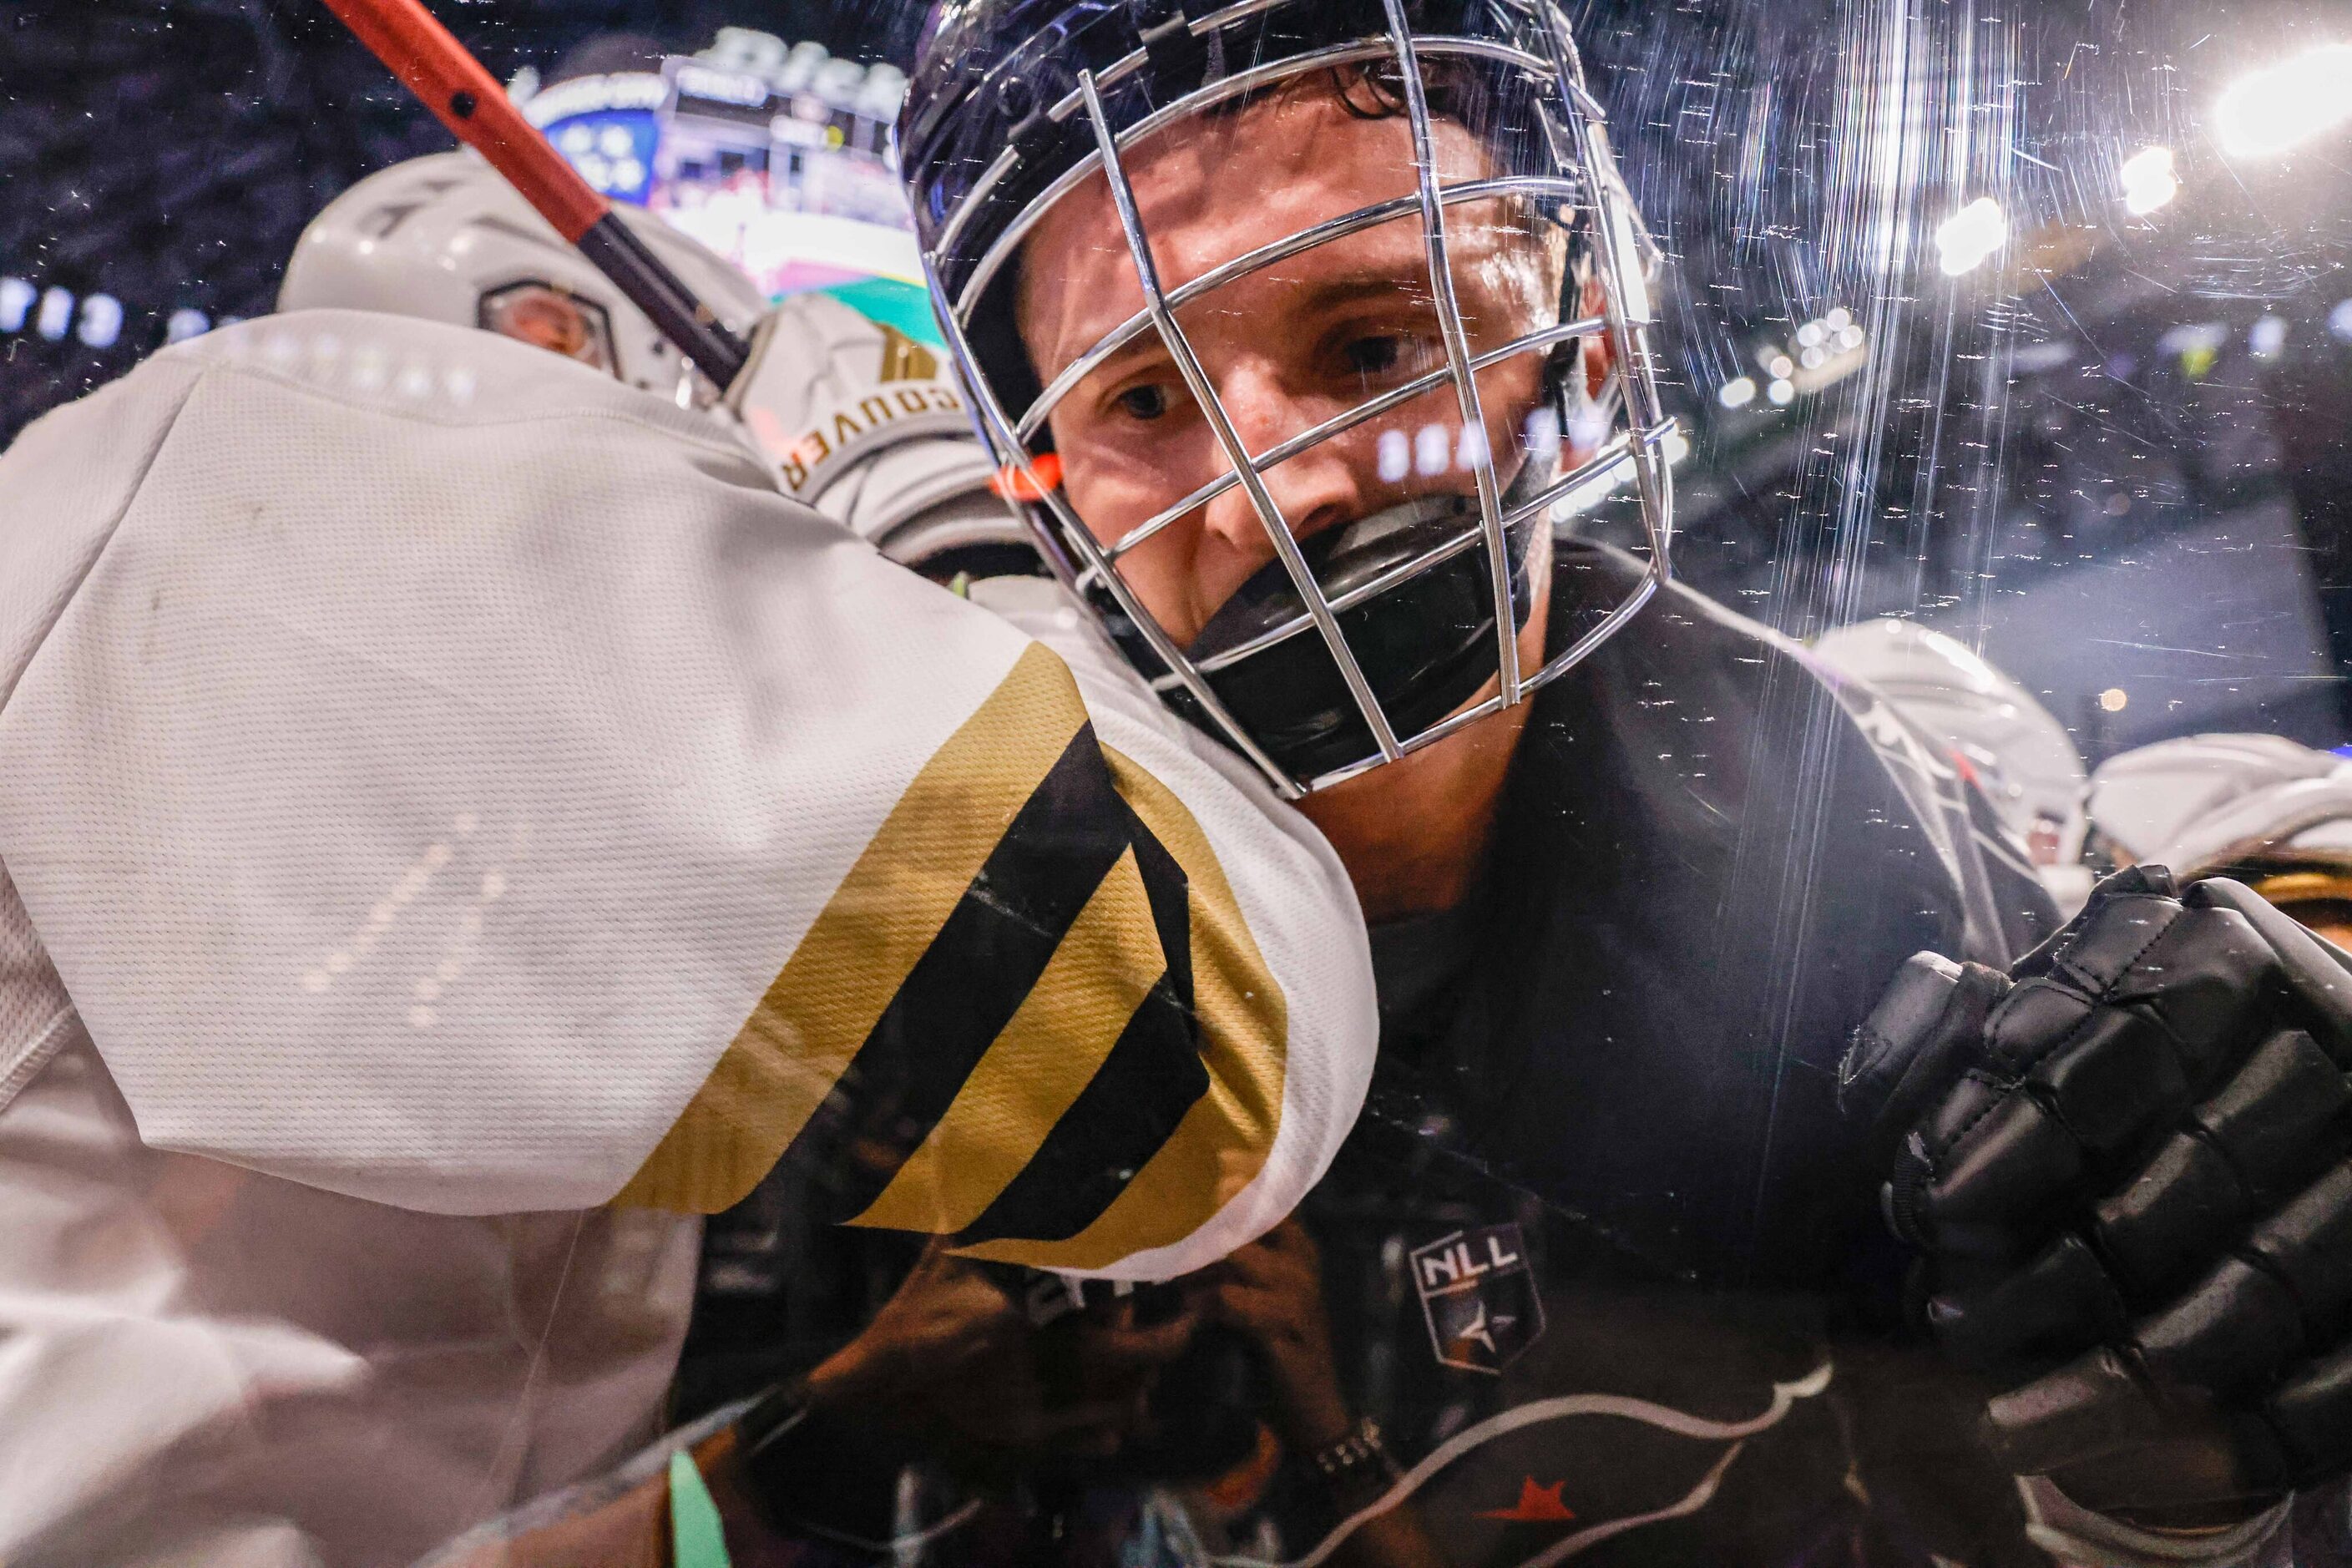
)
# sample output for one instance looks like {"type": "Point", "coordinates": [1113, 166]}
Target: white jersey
{"type": "Point", "coordinates": [457, 824]}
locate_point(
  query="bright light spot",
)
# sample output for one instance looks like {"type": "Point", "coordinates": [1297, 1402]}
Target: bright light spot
{"type": "Point", "coordinates": [2114, 700]}
{"type": "Point", "coordinates": [1737, 394]}
{"type": "Point", "coordinates": [1851, 339]}
{"type": "Point", "coordinates": [1968, 238]}
{"type": "Point", "coordinates": [1472, 451]}
{"type": "Point", "coordinates": [1782, 368]}
{"type": "Point", "coordinates": [2286, 105]}
{"type": "Point", "coordinates": [1810, 335]}
{"type": "Point", "coordinates": [2149, 180]}
{"type": "Point", "coordinates": [1837, 320]}
{"type": "Point", "coordinates": [1676, 447]}
{"type": "Point", "coordinates": [2339, 320]}
{"type": "Point", "coordinates": [1813, 359]}
{"type": "Point", "coordinates": [1588, 425]}
{"type": "Point", "coordinates": [2268, 339]}
{"type": "Point", "coordinates": [17, 297]}
{"type": "Point", "coordinates": [185, 324]}
{"type": "Point", "coordinates": [1782, 392]}
{"type": "Point", "coordinates": [1431, 448]}
{"type": "Point", "coordinates": [101, 321]}
{"type": "Point", "coordinates": [1543, 436]}
{"type": "Point", "coordinates": [1396, 455]}
{"type": "Point", "coordinates": [57, 314]}
{"type": "Point", "coordinates": [1632, 287]}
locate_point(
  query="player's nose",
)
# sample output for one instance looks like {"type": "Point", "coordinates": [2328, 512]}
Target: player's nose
{"type": "Point", "coordinates": [1320, 488]}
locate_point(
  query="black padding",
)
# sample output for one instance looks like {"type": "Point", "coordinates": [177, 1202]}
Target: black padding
{"type": "Point", "coordinates": [2212, 980]}
{"type": "Point", "coordinates": [1925, 1031]}
{"type": "Point", "coordinates": [2115, 1079]}
{"type": "Point", "coordinates": [1995, 1184]}
{"type": "Point", "coordinates": [2269, 1119]}
{"type": "Point", "coordinates": [2310, 972]}
{"type": "Point", "coordinates": [2092, 1405]}
{"type": "Point", "coordinates": [2182, 1209]}
{"type": "Point", "coordinates": [2235, 1331]}
{"type": "Point", "coordinates": [2144, 1181]}
{"type": "Point", "coordinates": [2056, 1307]}
{"type": "Point", "coordinates": [2034, 1020]}
{"type": "Point", "coordinates": [2205, 1470]}
{"type": "Point", "coordinates": [2309, 1245]}
{"type": "Point", "coordinates": [2312, 1411]}
{"type": "Point", "coordinates": [2114, 934]}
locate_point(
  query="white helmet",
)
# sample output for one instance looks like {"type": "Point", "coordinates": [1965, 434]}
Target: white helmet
{"type": "Point", "coordinates": [2022, 757]}
{"type": "Point", "coordinates": [2208, 803]}
{"type": "Point", "coordinates": [854, 417]}
{"type": "Point", "coordinates": [446, 238]}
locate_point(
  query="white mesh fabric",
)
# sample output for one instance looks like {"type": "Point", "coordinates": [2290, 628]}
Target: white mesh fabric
{"type": "Point", "coordinates": [1287, 879]}
{"type": "Point", "coordinates": [441, 747]}
{"type": "Point", "coordinates": [447, 749]}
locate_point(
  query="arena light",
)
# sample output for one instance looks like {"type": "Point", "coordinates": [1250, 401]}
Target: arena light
{"type": "Point", "coordinates": [1737, 393]}
{"type": "Point", "coordinates": [2282, 106]}
{"type": "Point", "coordinates": [1970, 238]}
{"type": "Point", "coordinates": [57, 314]}
{"type": "Point", "coordinates": [2149, 181]}
{"type": "Point", "coordinates": [101, 321]}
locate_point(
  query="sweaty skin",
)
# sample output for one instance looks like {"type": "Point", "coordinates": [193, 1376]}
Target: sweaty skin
{"type": "Point", "coordinates": [1286, 348]}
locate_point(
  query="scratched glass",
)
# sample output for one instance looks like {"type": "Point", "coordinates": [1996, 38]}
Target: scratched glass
{"type": "Point", "coordinates": [2001, 355]}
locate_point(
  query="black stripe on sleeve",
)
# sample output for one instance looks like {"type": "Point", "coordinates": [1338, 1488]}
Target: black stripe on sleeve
{"type": "Point", "coordinates": [970, 981]}
{"type": "Point", "coordinates": [1151, 1078]}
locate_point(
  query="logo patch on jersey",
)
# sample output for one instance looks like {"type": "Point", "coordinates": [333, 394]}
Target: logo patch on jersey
{"type": "Point", "coordinates": [1479, 1297]}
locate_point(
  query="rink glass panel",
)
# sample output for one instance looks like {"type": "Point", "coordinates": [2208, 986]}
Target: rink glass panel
{"type": "Point", "coordinates": [1983, 315]}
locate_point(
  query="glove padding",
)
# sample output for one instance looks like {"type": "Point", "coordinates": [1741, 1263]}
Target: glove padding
{"type": "Point", "coordinates": [2124, 1164]}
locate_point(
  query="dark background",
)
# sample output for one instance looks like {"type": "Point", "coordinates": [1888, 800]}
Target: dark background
{"type": "Point", "coordinates": [169, 152]}
{"type": "Point", "coordinates": [2032, 460]}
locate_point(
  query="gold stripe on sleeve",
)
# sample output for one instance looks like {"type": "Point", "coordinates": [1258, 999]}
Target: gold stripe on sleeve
{"type": "Point", "coordinates": [824, 1003]}
{"type": "Point", "coordinates": [1224, 1142]}
{"type": "Point", "coordinates": [1055, 1043]}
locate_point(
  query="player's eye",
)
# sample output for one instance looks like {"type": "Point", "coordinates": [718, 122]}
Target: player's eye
{"type": "Point", "coordinates": [1374, 356]}
{"type": "Point", "coordinates": [1387, 356]}
{"type": "Point", "coordinates": [1150, 401]}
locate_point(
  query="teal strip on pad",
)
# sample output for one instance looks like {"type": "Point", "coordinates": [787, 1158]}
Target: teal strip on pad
{"type": "Point", "coordinates": [698, 1539]}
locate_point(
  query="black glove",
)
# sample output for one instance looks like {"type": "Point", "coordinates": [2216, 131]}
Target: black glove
{"type": "Point", "coordinates": [2125, 1165]}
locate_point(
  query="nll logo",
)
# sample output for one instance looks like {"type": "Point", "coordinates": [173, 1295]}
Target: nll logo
{"type": "Point", "coordinates": [1479, 1297]}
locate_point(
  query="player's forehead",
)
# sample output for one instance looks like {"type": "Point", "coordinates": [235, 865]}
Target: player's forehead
{"type": "Point", "coordinates": [1213, 189]}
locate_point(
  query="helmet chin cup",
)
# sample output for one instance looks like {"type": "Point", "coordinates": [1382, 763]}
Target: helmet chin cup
{"type": "Point", "coordinates": [1426, 644]}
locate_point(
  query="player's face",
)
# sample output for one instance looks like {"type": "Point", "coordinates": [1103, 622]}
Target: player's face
{"type": "Point", "coordinates": [1287, 347]}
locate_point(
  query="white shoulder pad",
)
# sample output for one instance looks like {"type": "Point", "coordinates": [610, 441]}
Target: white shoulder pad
{"type": "Point", "coordinates": [444, 775]}
{"type": "Point", "coordinates": [828, 389]}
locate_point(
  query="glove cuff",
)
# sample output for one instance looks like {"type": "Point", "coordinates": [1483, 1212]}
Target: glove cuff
{"type": "Point", "coordinates": [2081, 1539]}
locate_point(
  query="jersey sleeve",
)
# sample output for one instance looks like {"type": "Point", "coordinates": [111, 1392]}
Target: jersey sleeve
{"type": "Point", "coordinates": [443, 775]}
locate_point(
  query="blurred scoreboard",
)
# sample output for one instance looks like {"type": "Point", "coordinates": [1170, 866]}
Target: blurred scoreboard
{"type": "Point", "coordinates": [777, 155]}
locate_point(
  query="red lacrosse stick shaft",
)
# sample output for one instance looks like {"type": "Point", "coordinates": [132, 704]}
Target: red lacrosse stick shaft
{"type": "Point", "coordinates": [448, 80]}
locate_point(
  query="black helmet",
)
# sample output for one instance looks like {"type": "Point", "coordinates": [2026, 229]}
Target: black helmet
{"type": "Point", "coordinates": [1363, 641]}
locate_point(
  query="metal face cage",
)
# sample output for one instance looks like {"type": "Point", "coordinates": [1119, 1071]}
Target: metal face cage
{"type": "Point", "coordinates": [1037, 100]}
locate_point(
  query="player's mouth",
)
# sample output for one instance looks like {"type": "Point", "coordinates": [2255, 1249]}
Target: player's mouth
{"type": "Point", "coordinates": [1414, 597]}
